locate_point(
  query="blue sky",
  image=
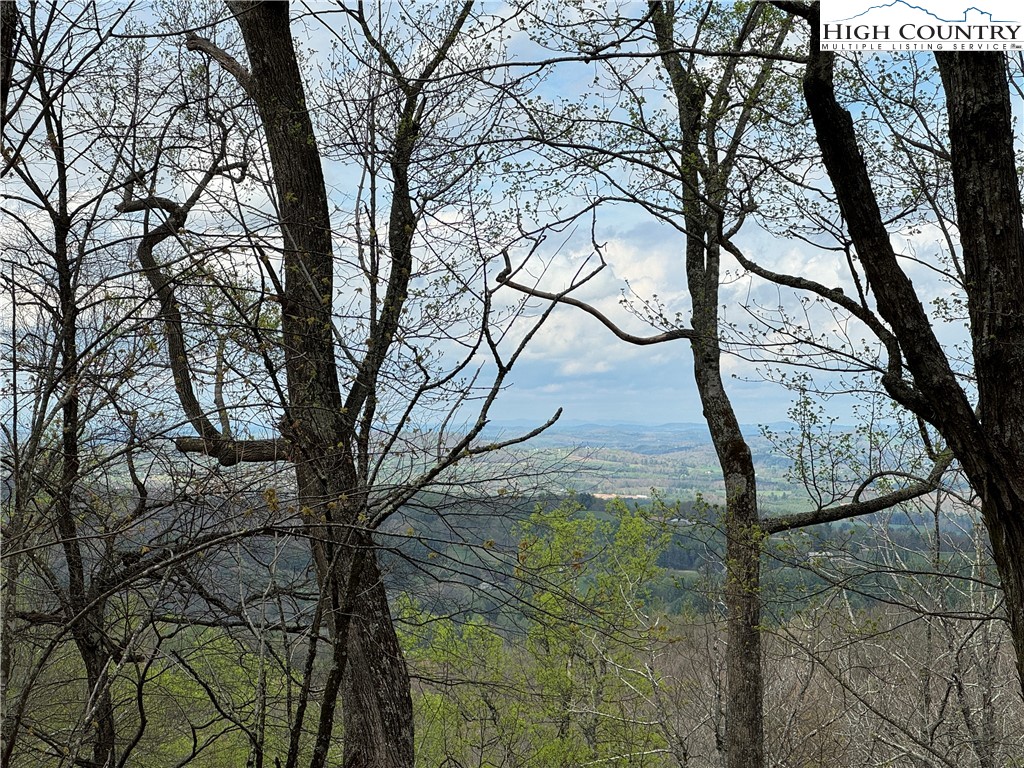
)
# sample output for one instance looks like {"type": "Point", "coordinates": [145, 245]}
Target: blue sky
{"type": "Point", "coordinates": [578, 365]}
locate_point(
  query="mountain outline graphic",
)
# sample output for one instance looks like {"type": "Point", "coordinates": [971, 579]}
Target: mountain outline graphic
{"type": "Point", "coordinates": [925, 11]}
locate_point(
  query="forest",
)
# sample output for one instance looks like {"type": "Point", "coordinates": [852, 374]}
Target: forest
{"type": "Point", "coordinates": [269, 271]}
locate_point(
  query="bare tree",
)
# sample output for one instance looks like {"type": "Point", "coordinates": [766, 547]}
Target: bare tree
{"type": "Point", "coordinates": [96, 533]}
{"type": "Point", "coordinates": [695, 174]}
{"type": "Point", "coordinates": [128, 259]}
{"type": "Point", "coordinates": [919, 373]}
{"type": "Point", "coordinates": [883, 635]}
{"type": "Point", "coordinates": [352, 392]}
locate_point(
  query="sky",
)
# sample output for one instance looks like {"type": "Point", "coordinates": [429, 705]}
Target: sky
{"type": "Point", "coordinates": [576, 364]}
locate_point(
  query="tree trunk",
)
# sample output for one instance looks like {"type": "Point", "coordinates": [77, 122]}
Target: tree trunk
{"type": "Point", "coordinates": [8, 37]}
{"type": "Point", "coordinates": [989, 444]}
{"type": "Point", "coordinates": [85, 616]}
{"type": "Point", "coordinates": [377, 715]}
{"type": "Point", "coordinates": [992, 235]}
{"type": "Point", "coordinates": [744, 732]}
{"type": "Point", "coordinates": [376, 705]}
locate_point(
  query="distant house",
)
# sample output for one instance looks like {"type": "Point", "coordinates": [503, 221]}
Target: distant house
{"type": "Point", "coordinates": [824, 554]}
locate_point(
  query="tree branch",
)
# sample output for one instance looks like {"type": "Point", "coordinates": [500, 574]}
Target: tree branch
{"type": "Point", "coordinates": [901, 390]}
{"type": "Point", "coordinates": [230, 452]}
{"type": "Point", "coordinates": [517, 440]}
{"type": "Point", "coordinates": [196, 43]}
{"type": "Point", "coordinates": [148, 204]}
{"type": "Point", "coordinates": [857, 508]}
{"type": "Point", "coordinates": [504, 278]}
{"type": "Point", "coordinates": [941, 399]}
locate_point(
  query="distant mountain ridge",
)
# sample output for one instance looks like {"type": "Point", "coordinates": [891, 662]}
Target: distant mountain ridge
{"type": "Point", "coordinates": [625, 435]}
{"type": "Point", "coordinates": [676, 460]}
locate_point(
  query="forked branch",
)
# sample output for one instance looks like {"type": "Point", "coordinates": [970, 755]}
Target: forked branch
{"type": "Point", "coordinates": [856, 508]}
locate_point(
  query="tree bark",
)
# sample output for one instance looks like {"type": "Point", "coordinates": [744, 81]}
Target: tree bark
{"type": "Point", "coordinates": [989, 215]}
{"type": "Point", "coordinates": [989, 444]}
{"type": "Point", "coordinates": [8, 36]}
{"type": "Point", "coordinates": [744, 735]}
{"type": "Point", "coordinates": [376, 685]}
{"type": "Point", "coordinates": [376, 704]}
